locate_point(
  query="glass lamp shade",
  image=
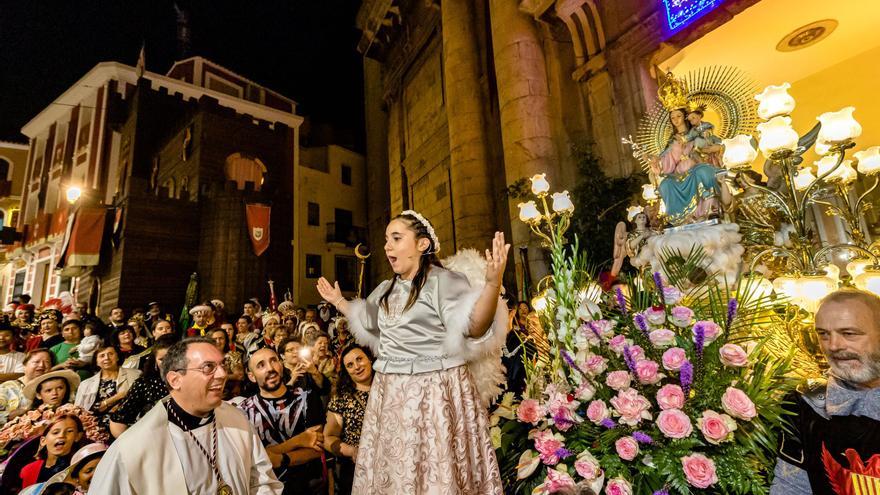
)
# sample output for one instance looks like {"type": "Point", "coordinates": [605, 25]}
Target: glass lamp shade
{"type": "Point", "coordinates": [540, 185]}
{"type": "Point", "coordinates": [803, 179]}
{"type": "Point", "coordinates": [776, 135]}
{"type": "Point", "coordinates": [827, 163]}
{"type": "Point", "coordinates": [528, 212]}
{"type": "Point", "coordinates": [869, 280]}
{"type": "Point", "coordinates": [786, 285]}
{"type": "Point", "coordinates": [649, 193]}
{"type": "Point", "coordinates": [857, 267]}
{"type": "Point", "coordinates": [832, 271]}
{"type": "Point", "coordinates": [562, 202]}
{"type": "Point", "coordinates": [775, 100]}
{"type": "Point", "coordinates": [839, 126]}
{"type": "Point", "coordinates": [869, 160]}
{"type": "Point", "coordinates": [822, 148]}
{"type": "Point", "coordinates": [738, 152]}
{"type": "Point", "coordinates": [73, 194]}
{"type": "Point", "coordinates": [539, 303]}
{"type": "Point", "coordinates": [812, 289]}
{"type": "Point", "coordinates": [846, 173]}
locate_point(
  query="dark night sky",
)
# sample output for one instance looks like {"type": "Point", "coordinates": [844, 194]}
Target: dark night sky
{"type": "Point", "coordinates": [304, 49]}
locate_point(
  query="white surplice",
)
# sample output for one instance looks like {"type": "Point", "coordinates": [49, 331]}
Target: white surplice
{"type": "Point", "coordinates": [157, 457]}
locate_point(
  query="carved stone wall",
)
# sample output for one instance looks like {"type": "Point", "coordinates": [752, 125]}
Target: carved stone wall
{"type": "Point", "coordinates": [481, 93]}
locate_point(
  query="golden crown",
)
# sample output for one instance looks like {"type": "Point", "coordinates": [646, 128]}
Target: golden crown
{"type": "Point", "coordinates": [672, 92]}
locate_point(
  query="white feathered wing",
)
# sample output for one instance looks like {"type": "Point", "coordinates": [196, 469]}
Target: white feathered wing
{"type": "Point", "coordinates": [483, 355]}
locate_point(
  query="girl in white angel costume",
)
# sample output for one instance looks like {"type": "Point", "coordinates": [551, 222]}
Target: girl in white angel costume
{"type": "Point", "coordinates": [437, 339]}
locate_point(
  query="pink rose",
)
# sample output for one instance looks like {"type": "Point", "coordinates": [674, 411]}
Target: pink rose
{"type": "Point", "coordinates": [587, 466]}
{"type": "Point", "coordinates": [618, 486]}
{"type": "Point", "coordinates": [616, 344]}
{"type": "Point", "coordinates": [597, 411]}
{"type": "Point", "coordinates": [595, 365]}
{"type": "Point", "coordinates": [631, 407]}
{"type": "Point", "coordinates": [646, 371]}
{"type": "Point", "coordinates": [673, 358]}
{"type": "Point", "coordinates": [604, 327]}
{"type": "Point", "coordinates": [674, 423]}
{"type": "Point", "coordinates": [530, 411]}
{"type": "Point", "coordinates": [585, 391]}
{"type": "Point", "coordinates": [671, 295]}
{"type": "Point", "coordinates": [636, 352]}
{"type": "Point", "coordinates": [618, 380]}
{"type": "Point", "coordinates": [717, 428]}
{"type": "Point", "coordinates": [557, 481]}
{"type": "Point", "coordinates": [733, 355]}
{"type": "Point", "coordinates": [681, 316]}
{"type": "Point", "coordinates": [670, 397]}
{"type": "Point", "coordinates": [547, 446]}
{"type": "Point", "coordinates": [711, 331]}
{"type": "Point", "coordinates": [655, 316]}
{"type": "Point", "coordinates": [564, 418]}
{"type": "Point", "coordinates": [627, 448]}
{"type": "Point", "coordinates": [662, 338]}
{"type": "Point", "coordinates": [736, 403]}
{"type": "Point", "coordinates": [587, 336]}
{"type": "Point", "coordinates": [699, 470]}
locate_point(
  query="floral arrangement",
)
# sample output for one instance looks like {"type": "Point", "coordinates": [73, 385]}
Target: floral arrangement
{"type": "Point", "coordinates": [32, 423]}
{"type": "Point", "coordinates": [664, 391]}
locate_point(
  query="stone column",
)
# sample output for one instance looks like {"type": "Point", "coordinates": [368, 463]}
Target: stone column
{"type": "Point", "coordinates": [525, 111]}
{"type": "Point", "coordinates": [473, 200]}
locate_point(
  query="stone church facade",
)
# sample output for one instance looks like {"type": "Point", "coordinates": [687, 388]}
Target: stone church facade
{"type": "Point", "coordinates": [466, 97]}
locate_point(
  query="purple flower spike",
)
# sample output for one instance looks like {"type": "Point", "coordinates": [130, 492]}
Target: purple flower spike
{"type": "Point", "coordinates": [661, 491]}
{"type": "Point", "coordinates": [658, 281]}
{"type": "Point", "coordinates": [568, 359]}
{"type": "Point", "coordinates": [732, 306]}
{"type": "Point", "coordinates": [642, 437]}
{"type": "Point", "coordinates": [686, 377]}
{"type": "Point", "coordinates": [628, 359]}
{"type": "Point", "coordinates": [642, 323]}
{"type": "Point", "coordinates": [699, 339]}
{"type": "Point", "coordinates": [595, 332]}
{"type": "Point", "coordinates": [563, 452]}
{"type": "Point", "coordinates": [607, 423]}
{"type": "Point", "coordinates": [621, 300]}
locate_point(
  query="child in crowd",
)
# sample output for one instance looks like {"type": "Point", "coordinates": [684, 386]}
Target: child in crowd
{"type": "Point", "coordinates": [58, 441]}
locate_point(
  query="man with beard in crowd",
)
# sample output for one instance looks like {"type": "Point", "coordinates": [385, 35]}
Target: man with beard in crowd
{"type": "Point", "coordinates": [834, 437]}
{"type": "Point", "coordinates": [117, 319]}
{"type": "Point", "coordinates": [289, 422]}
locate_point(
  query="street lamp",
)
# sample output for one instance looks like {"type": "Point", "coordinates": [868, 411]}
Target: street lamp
{"type": "Point", "coordinates": [73, 194]}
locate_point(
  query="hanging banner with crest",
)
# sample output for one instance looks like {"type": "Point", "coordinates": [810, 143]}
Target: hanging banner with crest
{"type": "Point", "coordinates": [258, 226]}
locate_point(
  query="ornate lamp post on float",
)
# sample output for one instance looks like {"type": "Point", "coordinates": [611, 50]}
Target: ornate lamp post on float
{"type": "Point", "coordinates": [809, 275]}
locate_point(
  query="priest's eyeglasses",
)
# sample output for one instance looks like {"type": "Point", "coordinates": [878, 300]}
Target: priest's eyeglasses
{"type": "Point", "coordinates": [208, 368]}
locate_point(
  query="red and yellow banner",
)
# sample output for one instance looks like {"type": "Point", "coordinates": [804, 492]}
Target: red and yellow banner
{"type": "Point", "coordinates": [258, 226]}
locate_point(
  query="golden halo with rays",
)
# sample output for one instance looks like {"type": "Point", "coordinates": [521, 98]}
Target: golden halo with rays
{"type": "Point", "coordinates": [726, 92]}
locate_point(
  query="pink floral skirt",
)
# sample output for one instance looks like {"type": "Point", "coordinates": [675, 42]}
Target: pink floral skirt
{"type": "Point", "coordinates": [426, 434]}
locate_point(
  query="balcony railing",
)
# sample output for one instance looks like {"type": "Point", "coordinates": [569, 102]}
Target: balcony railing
{"type": "Point", "coordinates": [345, 234]}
